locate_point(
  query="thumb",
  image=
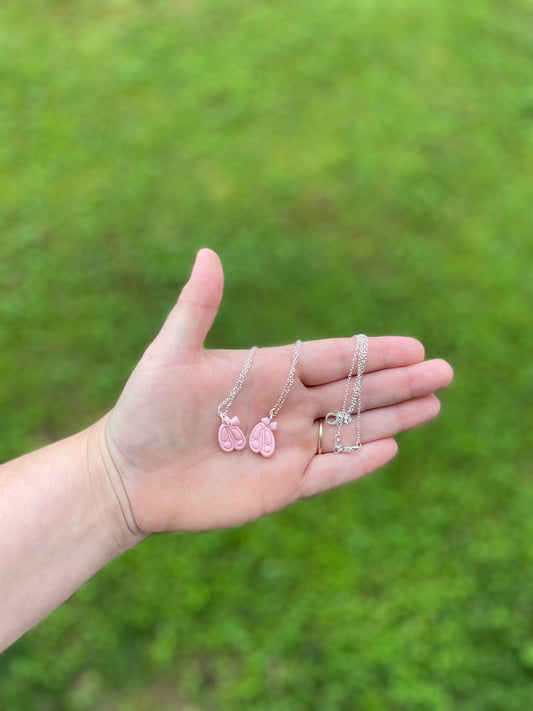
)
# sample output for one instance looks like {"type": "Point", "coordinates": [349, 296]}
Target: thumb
{"type": "Point", "coordinates": [191, 318]}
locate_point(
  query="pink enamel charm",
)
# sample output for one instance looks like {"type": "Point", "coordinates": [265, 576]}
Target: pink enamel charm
{"type": "Point", "coordinates": [230, 435]}
{"type": "Point", "coordinates": [262, 438]}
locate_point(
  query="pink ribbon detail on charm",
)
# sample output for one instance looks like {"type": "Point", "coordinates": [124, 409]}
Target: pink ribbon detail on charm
{"type": "Point", "coordinates": [262, 438]}
{"type": "Point", "coordinates": [230, 435]}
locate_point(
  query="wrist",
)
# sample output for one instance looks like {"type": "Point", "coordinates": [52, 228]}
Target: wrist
{"type": "Point", "coordinates": [109, 491]}
{"type": "Point", "coordinates": [63, 522]}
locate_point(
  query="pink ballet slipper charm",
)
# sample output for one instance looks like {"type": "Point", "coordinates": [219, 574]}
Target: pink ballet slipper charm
{"type": "Point", "coordinates": [230, 435]}
{"type": "Point", "coordinates": [262, 438]}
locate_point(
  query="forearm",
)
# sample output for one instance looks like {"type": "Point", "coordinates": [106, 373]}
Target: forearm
{"type": "Point", "coordinates": [61, 522]}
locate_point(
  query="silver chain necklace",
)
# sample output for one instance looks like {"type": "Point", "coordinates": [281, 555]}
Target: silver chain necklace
{"type": "Point", "coordinates": [223, 407]}
{"type": "Point", "coordinates": [262, 437]}
{"type": "Point", "coordinates": [288, 383]}
{"type": "Point", "coordinates": [344, 416]}
{"type": "Point", "coordinates": [230, 435]}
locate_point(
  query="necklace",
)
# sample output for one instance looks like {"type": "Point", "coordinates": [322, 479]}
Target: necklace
{"type": "Point", "coordinates": [344, 416]}
{"type": "Point", "coordinates": [230, 435]}
{"type": "Point", "coordinates": [262, 437]}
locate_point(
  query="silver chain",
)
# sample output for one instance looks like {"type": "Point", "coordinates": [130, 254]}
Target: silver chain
{"type": "Point", "coordinates": [344, 416]}
{"type": "Point", "coordinates": [223, 407]}
{"type": "Point", "coordinates": [288, 383]}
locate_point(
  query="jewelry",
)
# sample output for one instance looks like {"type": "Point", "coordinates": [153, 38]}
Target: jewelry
{"type": "Point", "coordinates": [320, 433]}
{"type": "Point", "coordinates": [262, 438]}
{"type": "Point", "coordinates": [230, 436]}
{"type": "Point", "coordinates": [344, 416]}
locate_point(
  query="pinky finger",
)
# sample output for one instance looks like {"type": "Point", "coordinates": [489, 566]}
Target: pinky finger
{"type": "Point", "coordinates": [327, 471]}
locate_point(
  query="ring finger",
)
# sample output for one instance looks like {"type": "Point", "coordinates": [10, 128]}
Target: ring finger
{"type": "Point", "coordinates": [380, 423]}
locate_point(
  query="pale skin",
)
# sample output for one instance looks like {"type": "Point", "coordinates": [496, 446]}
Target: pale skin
{"type": "Point", "coordinates": [153, 463]}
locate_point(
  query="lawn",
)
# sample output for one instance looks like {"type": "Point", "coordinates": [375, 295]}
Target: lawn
{"type": "Point", "coordinates": [360, 166]}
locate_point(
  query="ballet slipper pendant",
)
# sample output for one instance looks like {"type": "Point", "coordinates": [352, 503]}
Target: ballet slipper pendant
{"type": "Point", "coordinates": [230, 435]}
{"type": "Point", "coordinates": [262, 438]}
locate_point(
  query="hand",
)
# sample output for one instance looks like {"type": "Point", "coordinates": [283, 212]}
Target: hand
{"type": "Point", "coordinates": [160, 441]}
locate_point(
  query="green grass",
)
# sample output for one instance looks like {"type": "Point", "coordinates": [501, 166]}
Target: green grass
{"type": "Point", "coordinates": [359, 166]}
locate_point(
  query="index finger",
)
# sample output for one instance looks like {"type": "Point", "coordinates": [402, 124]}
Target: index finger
{"type": "Point", "coordinates": [329, 359]}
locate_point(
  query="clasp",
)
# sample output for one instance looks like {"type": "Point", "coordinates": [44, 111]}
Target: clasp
{"type": "Point", "coordinates": [338, 418]}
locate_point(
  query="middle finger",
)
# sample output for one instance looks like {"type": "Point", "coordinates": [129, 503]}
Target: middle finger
{"type": "Point", "coordinates": [384, 387]}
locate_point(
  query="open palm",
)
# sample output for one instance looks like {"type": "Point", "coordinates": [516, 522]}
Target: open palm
{"type": "Point", "coordinates": [161, 437]}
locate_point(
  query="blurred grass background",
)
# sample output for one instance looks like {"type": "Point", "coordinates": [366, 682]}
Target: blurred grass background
{"type": "Point", "coordinates": [359, 166]}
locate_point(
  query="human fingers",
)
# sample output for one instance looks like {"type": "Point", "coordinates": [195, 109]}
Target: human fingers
{"type": "Point", "coordinates": [385, 387]}
{"type": "Point", "coordinates": [191, 318]}
{"type": "Point", "coordinates": [329, 359]}
{"type": "Point", "coordinates": [327, 471]}
{"type": "Point", "coordinates": [382, 422]}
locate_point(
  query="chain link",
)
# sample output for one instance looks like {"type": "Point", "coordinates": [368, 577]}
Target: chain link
{"type": "Point", "coordinates": [288, 383]}
{"type": "Point", "coordinates": [223, 407]}
{"type": "Point", "coordinates": [344, 416]}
